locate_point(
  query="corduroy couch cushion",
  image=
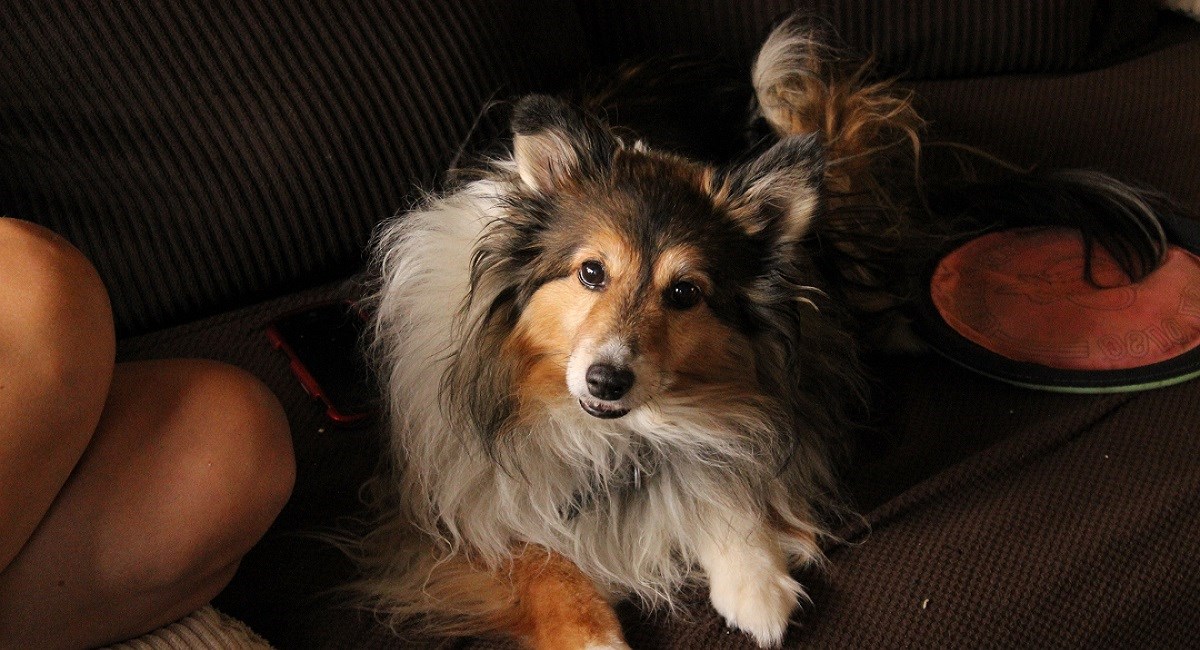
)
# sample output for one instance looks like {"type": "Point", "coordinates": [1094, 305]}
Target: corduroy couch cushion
{"type": "Point", "coordinates": [915, 39]}
{"type": "Point", "coordinates": [205, 155]}
{"type": "Point", "coordinates": [1137, 118]}
{"type": "Point", "coordinates": [208, 156]}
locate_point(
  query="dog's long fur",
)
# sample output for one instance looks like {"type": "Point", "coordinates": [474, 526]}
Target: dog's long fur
{"type": "Point", "coordinates": [520, 503]}
{"type": "Point", "coordinates": [728, 439]}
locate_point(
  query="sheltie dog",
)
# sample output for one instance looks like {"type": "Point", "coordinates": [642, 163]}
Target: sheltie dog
{"type": "Point", "coordinates": [614, 370]}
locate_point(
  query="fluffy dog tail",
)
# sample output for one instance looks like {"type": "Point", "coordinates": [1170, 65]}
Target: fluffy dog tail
{"type": "Point", "coordinates": [803, 85]}
{"type": "Point", "coordinates": [886, 220]}
{"type": "Point", "coordinates": [866, 238]}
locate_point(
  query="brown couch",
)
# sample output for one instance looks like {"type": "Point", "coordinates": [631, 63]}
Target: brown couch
{"type": "Point", "coordinates": [223, 162]}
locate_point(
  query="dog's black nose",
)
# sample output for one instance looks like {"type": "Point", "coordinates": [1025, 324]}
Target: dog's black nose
{"type": "Point", "coordinates": [608, 382]}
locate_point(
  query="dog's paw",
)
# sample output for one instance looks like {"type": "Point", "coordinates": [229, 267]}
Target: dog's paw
{"type": "Point", "coordinates": [757, 603]}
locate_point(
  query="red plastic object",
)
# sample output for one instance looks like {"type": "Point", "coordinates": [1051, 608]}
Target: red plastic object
{"type": "Point", "coordinates": [1023, 294]}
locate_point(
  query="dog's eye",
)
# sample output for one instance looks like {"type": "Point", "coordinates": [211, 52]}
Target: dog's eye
{"type": "Point", "coordinates": [682, 295]}
{"type": "Point", "coordinates": [591, 274]}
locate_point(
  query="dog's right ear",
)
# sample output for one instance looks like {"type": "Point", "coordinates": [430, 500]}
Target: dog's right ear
{"type": "Point", "coordinates": [779, 192]}
{"type": "Point", "coordinates": [554, 143]}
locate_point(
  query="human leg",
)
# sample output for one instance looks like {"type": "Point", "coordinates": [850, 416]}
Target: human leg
{"type": "Point", "coordinates": [116, 524]}
{"type": "Point", "coordinates": [189, 465]}
{"type": "Point", "coordinates": [56, 361]}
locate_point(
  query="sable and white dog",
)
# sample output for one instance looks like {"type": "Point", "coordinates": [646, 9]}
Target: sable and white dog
{"type": "Point", "coordinates": [613, 371]}
{"type": "Point", "coordinates": [608, 371]}
{"type": "Point", "coordinates": [609, 375]}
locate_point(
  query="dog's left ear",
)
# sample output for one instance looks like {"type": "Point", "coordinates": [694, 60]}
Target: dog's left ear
{"type": "Point", "coordinates": [554, 143]}
{"type": "Point", "coordinates": [780, 191]}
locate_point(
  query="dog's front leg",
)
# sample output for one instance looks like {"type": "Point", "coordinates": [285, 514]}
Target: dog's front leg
{"type": "Point", "coordinates": [748, 575]}
{"type": "Point", "coordinates": [560, 607]}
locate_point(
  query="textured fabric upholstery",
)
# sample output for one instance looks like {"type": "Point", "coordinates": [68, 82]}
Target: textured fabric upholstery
{"type": "Point", "coordinates": [917, 39]}
{"type": "Point", "coordinates": [1137, 118]}
{"type": "Point", "coordinates": [207, 154]}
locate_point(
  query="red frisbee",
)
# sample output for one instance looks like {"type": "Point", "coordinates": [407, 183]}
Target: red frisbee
{"type": "Point", "coordinates": [1017, 305]}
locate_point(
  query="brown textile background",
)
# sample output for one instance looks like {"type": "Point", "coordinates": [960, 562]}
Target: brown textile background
{"type": "Point", "coordinates": [1139, 118]}
{"type": "Point", "coordinates": [204, 154]}
{"type": "Point", "coordinates": [918, 39]}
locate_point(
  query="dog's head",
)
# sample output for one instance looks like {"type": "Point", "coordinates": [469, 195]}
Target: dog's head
{"type": "Point", "coordinates": [623, 276]}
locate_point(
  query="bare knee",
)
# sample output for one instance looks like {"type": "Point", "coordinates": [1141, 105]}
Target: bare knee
{"type": "Point", "coordinates": [242, 478]}
{"type": "Point", "coordinates": [56, 361]}
{"type": "Point", "coordinates": [252, 471]}
{"type": "Point", "coordinates": [57, 321]}
{"type": "Point", "coordinates": [188, 467]}
{"type": "Point", "coordinates": [227, 485]}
